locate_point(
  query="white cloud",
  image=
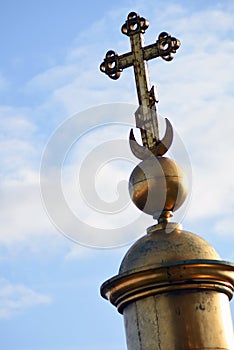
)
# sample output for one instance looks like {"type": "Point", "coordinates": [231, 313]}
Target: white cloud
{"type": "Point", "coordinates": [15, 122]}
{"type": "Point", "coordinates": [22, 215]}
{"type": "Point", "coordinates": [224, 227]}
{"type": "Point", "coordinates": [17, 298]}
{"type": "Point", "coordinates": [53, 78]}
{"type": "Point", "coordinates": [215, 21]}
{"type": "Point", "coordinates": [78, 252]}
{"type": "Point", "coordinates": [17, 151]}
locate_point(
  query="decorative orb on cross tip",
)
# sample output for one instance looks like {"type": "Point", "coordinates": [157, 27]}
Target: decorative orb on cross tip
{"type": "Point", "coordinates": [157, 186]}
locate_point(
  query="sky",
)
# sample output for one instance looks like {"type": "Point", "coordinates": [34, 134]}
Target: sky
{"type": "Point", "coordinates": [62, 121]}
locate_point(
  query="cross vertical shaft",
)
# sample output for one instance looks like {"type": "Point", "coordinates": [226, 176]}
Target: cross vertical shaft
{"type": "Point", "coordinates": [146, 99]}
{"type": "Point", "coordinates": [146, 114]}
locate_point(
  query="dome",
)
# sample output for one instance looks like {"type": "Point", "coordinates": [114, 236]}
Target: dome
{"type": "Point", "coordinates": [166, 245]}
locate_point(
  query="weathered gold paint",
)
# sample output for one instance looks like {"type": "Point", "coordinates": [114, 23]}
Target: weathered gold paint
{"type": "Point", "coordinates": [178, 321]}
{"type": "Point", "coordinates": [173, 291]}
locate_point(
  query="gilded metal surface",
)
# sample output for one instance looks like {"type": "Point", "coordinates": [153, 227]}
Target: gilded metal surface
{"type": "Point", "coordinates": [166, 245]}
{"type": "Point", "coordinates": [188, 275]}
{"type": "Point", "coordinates": [159, 149]}
{"type": "Point", "coordinates": [164, 258]}
{"type": "Point", "coordinates": [113, 64]}
{"type": "Point", "coordinates": [157, 185]}
{"type": "Point", "coordinates": [173, 290]}
{"type": "Point", "coordinates": [189, 320]}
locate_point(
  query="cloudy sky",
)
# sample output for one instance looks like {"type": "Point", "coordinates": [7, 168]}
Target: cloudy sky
{"type": "Point", "coordinates": [59, 112]}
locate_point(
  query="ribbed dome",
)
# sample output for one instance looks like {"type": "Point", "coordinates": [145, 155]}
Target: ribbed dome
{"type": "Point", "coordinates": [164, 246]}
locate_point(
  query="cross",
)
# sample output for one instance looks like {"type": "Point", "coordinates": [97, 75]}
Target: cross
{"type": "Point", "coordinates": [113, 64]}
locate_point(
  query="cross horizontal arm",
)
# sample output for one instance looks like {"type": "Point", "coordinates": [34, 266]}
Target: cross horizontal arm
{"type": "Point", "coordinates": [165, 47]}
{"type": "Point", "coordinates": [125, 60]}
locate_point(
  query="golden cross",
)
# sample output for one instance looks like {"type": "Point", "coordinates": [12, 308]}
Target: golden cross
{"type": "Point", "coordinates": [113, 64]}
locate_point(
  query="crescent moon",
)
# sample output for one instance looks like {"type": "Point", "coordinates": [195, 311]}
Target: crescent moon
{"type": "Point", "coordinates": [139, 151]}
{"type": "Point", "coordinates": [158, 150]}
{"type": "Point", "coordinates": [163, 145]}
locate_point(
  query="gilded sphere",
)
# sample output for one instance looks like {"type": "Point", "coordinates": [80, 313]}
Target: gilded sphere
{"type": "Point", "coordinates": [157, 185]}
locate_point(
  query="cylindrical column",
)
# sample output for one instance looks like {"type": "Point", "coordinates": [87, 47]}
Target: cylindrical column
{"type": "Point", "coordinates": [171, 302]}
{"type": "Point", "coordinates": [179, 321]}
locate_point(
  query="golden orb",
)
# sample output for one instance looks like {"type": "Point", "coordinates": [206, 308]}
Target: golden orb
{"type": "Point", "coordinates": [157, 185]}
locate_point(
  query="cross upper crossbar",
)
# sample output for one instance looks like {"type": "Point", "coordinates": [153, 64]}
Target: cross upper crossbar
{"type": "Point", "coordinates": [165, 47]}
{"type": "Point", "coordinates": [113, 64]}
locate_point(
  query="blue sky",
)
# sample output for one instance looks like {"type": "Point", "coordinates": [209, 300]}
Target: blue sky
{"type": "Point", "coordinates": [49, 71]}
